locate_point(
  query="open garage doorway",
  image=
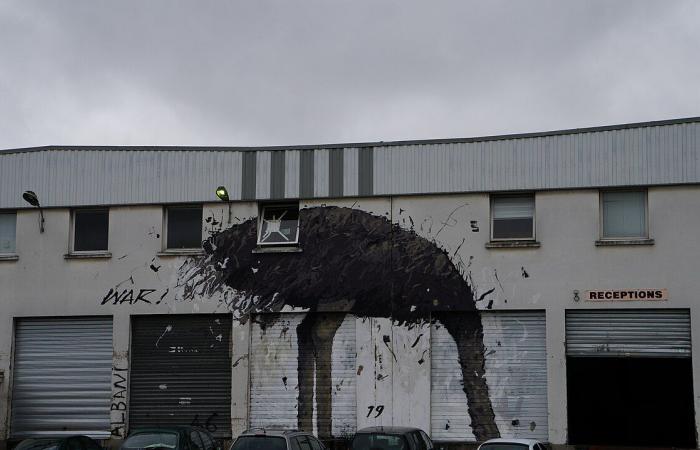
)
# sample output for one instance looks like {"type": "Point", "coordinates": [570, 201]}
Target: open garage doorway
{"type": "Point", "coordinates": [629, 378]}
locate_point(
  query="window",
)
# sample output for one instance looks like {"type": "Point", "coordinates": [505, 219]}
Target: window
{"type": "Point", "coordinates": [428, 442]}
{"type": "Point", "coordinates": [184, 227]}
{"type": "Point", "coordinates": [151, 440]}
{"type": "Point", "coordinates": [259, 443]}
{"type": "Point", "coordinates": [624, 214]}
{"type": "Point", "coordinates": [513, 217]}
{"type": "Point", "coordinates": [278, 224]}
{"type": "Point", "coordinates": [303, 443]}
{"type": "Point", "coordinates": [90, 230]}
{"type": "Point", "coordinates": [315, 444]}
{"type": "Point", "coordinates": [196, 439]}
{"type": "Point", "coordinates": [8, 232]}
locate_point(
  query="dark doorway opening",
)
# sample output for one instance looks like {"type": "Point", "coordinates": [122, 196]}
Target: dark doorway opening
{"type": "Point", "coordinates": [646, 402]}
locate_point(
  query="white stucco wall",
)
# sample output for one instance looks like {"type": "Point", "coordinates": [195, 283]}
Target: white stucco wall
{"type": "Point", "coordinates": [43, 283]}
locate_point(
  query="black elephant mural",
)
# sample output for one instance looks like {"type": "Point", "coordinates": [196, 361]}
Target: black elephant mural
{"type": "Point", "coordinates": [351, 262]}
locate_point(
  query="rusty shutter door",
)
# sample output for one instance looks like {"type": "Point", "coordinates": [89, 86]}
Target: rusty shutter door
{"type": "Point", "coordinates": [181, 372]}
{"type": "Point", "coordinates": [274, 373]}
{"type": "Point", "coordinates": [62, 377]}
{"type": "Point", "coordinates": [653, 333]}
{"type": "Point", "coordinates": [515, 371]}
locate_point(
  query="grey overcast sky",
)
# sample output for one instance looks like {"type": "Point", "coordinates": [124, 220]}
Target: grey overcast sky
{"type": "Point", "coordinates": [259, 72]}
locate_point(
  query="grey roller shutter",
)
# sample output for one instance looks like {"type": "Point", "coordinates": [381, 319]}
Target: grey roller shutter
{"type": "Point", "coordinates": [622, 332]}
{"type": "Point", "coordinates": [181, 372]}
{"type": "Point", "coordinates": [62, 377]}
{"type": "Point", "coordinates": [515, 372]}
{"type": "Point", "coordinates": [274, 374]}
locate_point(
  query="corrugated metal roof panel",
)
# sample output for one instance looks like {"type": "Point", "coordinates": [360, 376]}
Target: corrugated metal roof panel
{"type": "Point", "coordinates": [634, 155]}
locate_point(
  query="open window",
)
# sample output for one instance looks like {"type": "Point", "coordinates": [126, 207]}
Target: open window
{"type": "Point", "coordinates": [278, 224]}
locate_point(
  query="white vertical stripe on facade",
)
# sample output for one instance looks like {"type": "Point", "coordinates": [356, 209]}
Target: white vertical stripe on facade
{"type": "Point", "coordinates": [653, 155]}
{"type": "Point", "coordinates": [321, 172]}
{"type": "Point", "coordinates": [350, 171]}
{"type": "Point", "coordinates": [291, 176]}
{"type": "Point", "coordinates": [263, 168]}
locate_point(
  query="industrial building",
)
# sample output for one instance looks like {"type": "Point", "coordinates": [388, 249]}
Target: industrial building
{"type": "Point", "coordinates": [540, 285]}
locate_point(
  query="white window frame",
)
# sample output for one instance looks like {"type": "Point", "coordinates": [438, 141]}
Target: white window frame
{"type": "Point", "coordinates": [601, 212]}
{"type": "Point", "coordinates": [72, 232]}
{"type": "Point", "coordinates": [166, 215]}
{"type": "Point", "coordinates": [261, 214]}
{"type": "Point", "coordinates": [10, 212]}
{"type": "Point", "coordinates": [493, 197]}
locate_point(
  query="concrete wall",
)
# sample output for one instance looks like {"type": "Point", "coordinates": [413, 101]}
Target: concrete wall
{"type": "Point", "coordinates": [43, 283]}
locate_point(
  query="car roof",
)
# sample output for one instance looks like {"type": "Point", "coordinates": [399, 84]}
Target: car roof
{"type": "Point", "coordinates": [387, 430]}
{"type": "Point", "coordinates": [512, 441]}
{"type": "Point", "coordinates": [171, 429]}
{"type": "Point", "coordinates": [272, 431]}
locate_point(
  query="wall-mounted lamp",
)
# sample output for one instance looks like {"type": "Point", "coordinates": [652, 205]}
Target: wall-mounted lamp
{"type": "Point", "coordinates": [222, 193]}
{"type": "Point", "coordinates": [31, 198]}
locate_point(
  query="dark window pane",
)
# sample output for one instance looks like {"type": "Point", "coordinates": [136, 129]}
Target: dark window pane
{"type": "Point", "coordinates": [91, 230]}
{"type": "Point", "coordinates": [379, 441]}
{"type": "Point", "coordinates": [279, 224]}
{"type": "Point", "coordinates": [259, 443]}
{"type": "Point", "coordinates": [184, 227]}
{"type": "Point", "coordinates": [512, 228]}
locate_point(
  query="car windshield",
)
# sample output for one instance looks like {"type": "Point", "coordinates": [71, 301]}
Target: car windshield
{"type": "Point", "coordinates": [376, 441]}
{"type": "Point", "coordinates": [504, 446]}
{"type": "Point", "coordinates": [259, 443]}
{"type": "Point", "coordinates": [39, 444]}
{"type": "Point", "coordinates": [151, 441]}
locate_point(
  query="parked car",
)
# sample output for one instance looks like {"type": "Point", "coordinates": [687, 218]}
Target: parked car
{"type": "Point", "coordinates": [59, 443]}
{"type": "Point", "coordinates": [391, 438]}
{"type": "Point", "coordinates": [512, 444]}
{"type": "Point", "coordinates": [170, 438]}
{"type": "Point", "coordinates": [276, 439]}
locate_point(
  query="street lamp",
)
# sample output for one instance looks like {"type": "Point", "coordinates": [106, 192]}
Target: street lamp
{"type": "Point", "coordinates": [222, 193]}
{"type": "Point", "coordinates": [31, 198]}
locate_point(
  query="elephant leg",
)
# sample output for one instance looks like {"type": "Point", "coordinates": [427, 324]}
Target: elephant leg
{"type": "Point", "coordinates": [315, 336]}
{"type": "Point", "coordinates": [468, 333]}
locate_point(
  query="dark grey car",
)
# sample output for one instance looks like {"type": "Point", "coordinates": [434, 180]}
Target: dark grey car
{"type": "Point", "coordinates": [391, 438]}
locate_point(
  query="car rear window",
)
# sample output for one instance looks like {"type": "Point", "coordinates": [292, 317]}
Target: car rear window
{"type": "Point", "coordinates": [504, 446]}
{"type": "Point", "coordinates": [259, 443]}
{"type": "Point", "coordinates": [151, 441]}
{"type": "Point", "coordinates": [376, 441]}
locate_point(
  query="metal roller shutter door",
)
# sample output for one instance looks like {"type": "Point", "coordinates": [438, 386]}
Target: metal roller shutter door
{"type": "Point", "coordinates": [649, 333]}
{"type": "Point", "coordinates": [516, 376]}
{"type": "Point", "coordinates": [62, 377]}
{"type": "Point", "coordinates": [275, 380]}
{"type": "Point", "coordinates": [181, 372]}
